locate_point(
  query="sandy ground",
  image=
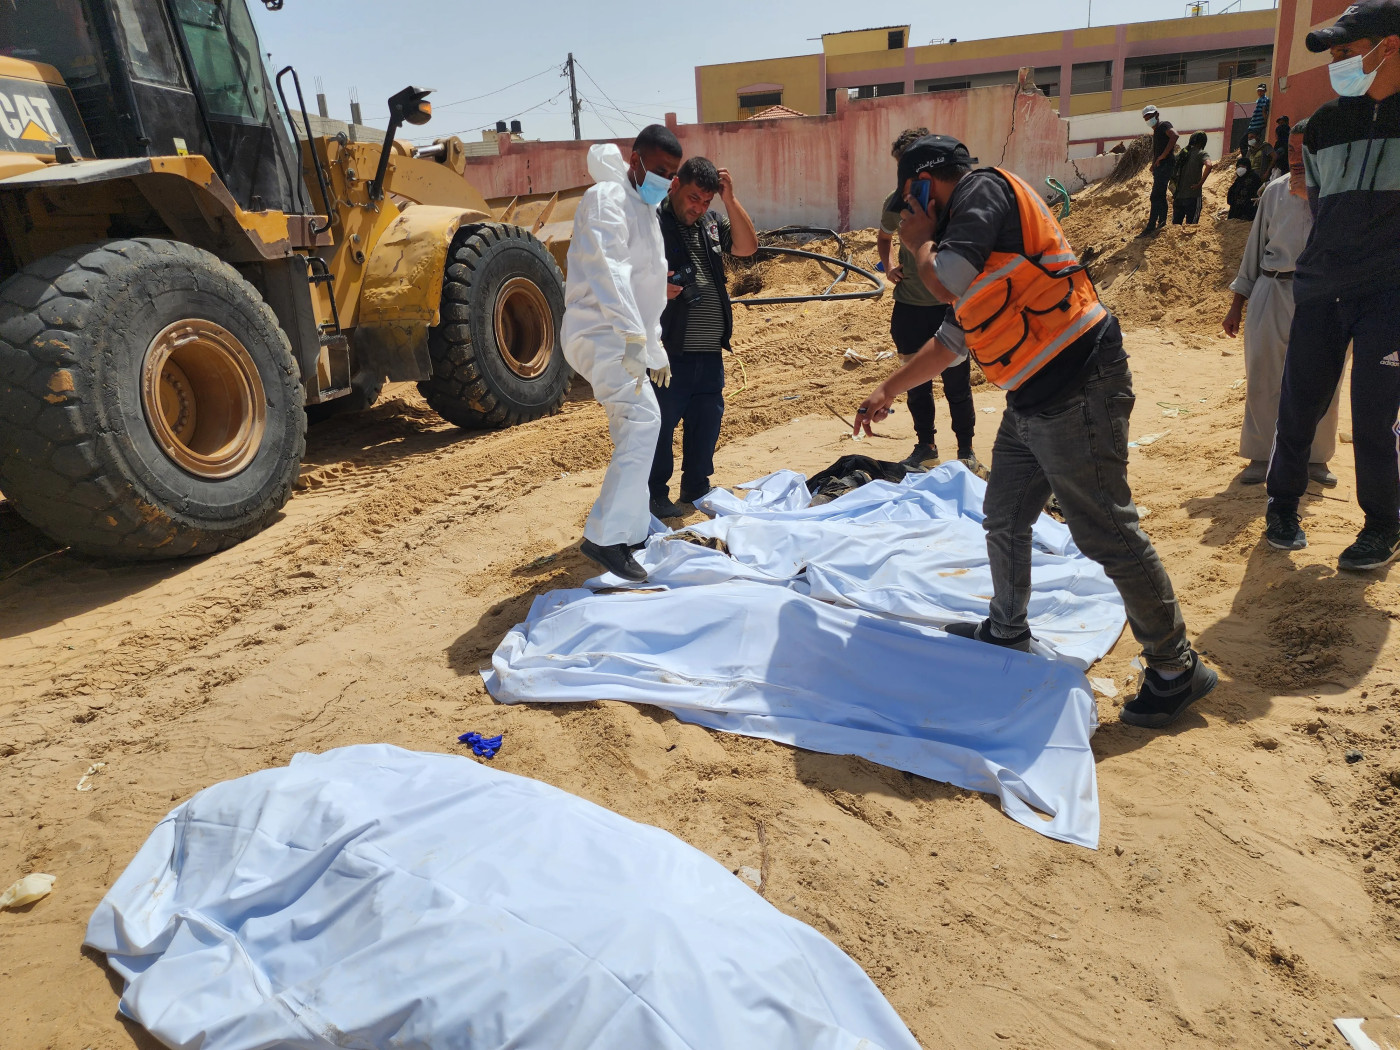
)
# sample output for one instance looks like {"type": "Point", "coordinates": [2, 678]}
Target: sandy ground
{"type": "Point", "coordinates": [1248, 886]}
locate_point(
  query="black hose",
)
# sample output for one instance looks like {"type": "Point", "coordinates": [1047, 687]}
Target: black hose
{"type": "Point", "coordinates": [846, 266]}
{"type": "Point", "coordinates": [817, 233]}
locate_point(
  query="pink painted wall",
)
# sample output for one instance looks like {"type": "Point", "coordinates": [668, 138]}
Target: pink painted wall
{"type": "Point", "coordinates": [832, 171]}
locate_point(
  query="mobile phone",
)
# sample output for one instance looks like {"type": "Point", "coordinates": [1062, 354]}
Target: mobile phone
{"type": "Point", "coordinates": [919, 191]}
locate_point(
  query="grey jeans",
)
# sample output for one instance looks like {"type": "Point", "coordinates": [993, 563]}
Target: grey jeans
{"type": "Point", "coordinates": [1076, 447]}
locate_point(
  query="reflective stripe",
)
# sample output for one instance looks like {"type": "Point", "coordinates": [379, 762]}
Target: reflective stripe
{"type": "Point", "coordinates": [1091, 317]}
{"type": "Point", "coordinates": [1060, 257]}
{"type": "Point", "coordinates": [988, 279]}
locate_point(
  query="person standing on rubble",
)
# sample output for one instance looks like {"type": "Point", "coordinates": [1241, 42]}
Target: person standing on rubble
{"type": "Point", "coordinates": [614, 295]}
{"type": "Point", "coordinates": [1265, 281]}
{"type": "Point", "coordinates": [1259, 119]}
{"type": "Point", "coordinates": [1192, 169]}
{"type": "Point", "coordinates": [1164, 138]}
{"type": "Point", "coordinates": [1346, 285]}
{"type": "Point", "coordinates": [696, 326]}
{"type": "Point", "coordinates": [917, 315]}
{"type": "Point", "coordinates": [1038, 330]}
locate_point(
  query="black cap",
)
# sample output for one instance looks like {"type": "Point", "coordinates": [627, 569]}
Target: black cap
{"type": "Point", "coordinates": [929, 152]}
{"type": "Point", "coordinates": [1367, 20]}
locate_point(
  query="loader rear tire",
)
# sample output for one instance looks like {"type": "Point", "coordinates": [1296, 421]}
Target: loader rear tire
{"type": "Point", "coordinates": [150, 406]}
{"type": "Point", "coordinates": [496, 355]}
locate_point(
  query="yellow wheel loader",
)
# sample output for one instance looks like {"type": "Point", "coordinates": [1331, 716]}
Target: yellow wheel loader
{"type": "Point", "coordinates": [182, 273]}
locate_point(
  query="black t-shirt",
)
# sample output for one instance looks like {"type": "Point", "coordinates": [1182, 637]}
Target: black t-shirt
{"type": "Point", "coordinates": [1161, 135]}
{"type": "Point", "coordinates": [983, 217]}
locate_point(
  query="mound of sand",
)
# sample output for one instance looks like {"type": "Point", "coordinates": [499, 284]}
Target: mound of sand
{"type": "Point", "coordinates": [1178, 279]}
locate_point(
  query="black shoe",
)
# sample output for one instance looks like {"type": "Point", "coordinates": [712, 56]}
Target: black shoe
{"type": "Point", "coordinates": [616, 559]}
{"type": "Point", "coordinates": [1374, 547]}
{"type": "Point", "coordinates": [1159, 704]}
{"type": "Point", "coordinates": [693, 499]}
{"type": "Point", "coordinates": [1147, 232]}
{"type": "Point", "coordinates": [923, 457]}
{"type": "Point", "coordinates": [982, 632]}
{"type": "Point", "coordinates": [1283, 532]}
{"type": "Point", "coordinates": [667, 509]}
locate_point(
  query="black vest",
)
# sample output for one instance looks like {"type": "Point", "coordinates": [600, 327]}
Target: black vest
{"type": "Point", "coordinates": [674, 317]}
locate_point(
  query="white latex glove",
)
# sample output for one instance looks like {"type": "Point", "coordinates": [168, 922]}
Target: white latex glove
{"type": "Point", "coordinates": [661, 376]}
{"type": "Point", "coordinates": [634, 357]}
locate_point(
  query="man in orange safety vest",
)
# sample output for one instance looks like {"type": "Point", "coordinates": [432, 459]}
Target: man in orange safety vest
{"type": "Point", "coordinates": [1027, 312]}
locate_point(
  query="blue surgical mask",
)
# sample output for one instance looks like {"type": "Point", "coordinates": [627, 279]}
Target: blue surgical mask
{"type": "Point", "coordinates": [653, 189]}
{"type": "Point", "coordinates": [1349, 78]}
{"type": "Point", "coordinates": [1152, 122]}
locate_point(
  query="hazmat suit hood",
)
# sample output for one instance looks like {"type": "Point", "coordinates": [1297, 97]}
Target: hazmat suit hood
{"type": "Point", "coordinates": [606, 164]}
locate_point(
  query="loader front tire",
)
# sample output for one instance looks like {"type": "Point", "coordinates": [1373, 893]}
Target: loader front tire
{"type": "Point", "coordinates": [496, 355]}
{"type": "Point", "coordinates": [150, 406]}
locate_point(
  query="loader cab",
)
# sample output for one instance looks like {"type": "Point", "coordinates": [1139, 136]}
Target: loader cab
{"type": "Point", "coordinates": [167, 77]}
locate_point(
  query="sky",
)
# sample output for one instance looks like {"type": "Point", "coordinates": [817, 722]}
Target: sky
{"type": "Point", "coordinates": [636, 61]}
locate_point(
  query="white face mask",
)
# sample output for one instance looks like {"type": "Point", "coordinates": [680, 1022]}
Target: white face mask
{"type": "Point", "coordinates": [1152, 122]}
{"type": "Point", "coordinates": [1241, 171]}
{"type": "Point", "coordinates": [1349, 77]}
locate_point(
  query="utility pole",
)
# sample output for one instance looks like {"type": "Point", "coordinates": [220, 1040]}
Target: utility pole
{"type": "Point", "coordinates": [573, 98]}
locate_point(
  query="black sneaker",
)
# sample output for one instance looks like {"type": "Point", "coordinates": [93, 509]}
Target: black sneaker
{"type": "Point", "coordinates": [1283, 532]}
{"type": "Point", "coordinates": [982, 632]}
{"type": "Point", "coordinates": [1159, 704]}
{"type": "Point", "coordinates": [923, 457]}
{"type": "Point", "coordinates": [666, 509]}
{"type": "Point", "coordinates": [1374, 547]}
{"type": "Point", "coordinates": [615, 558]}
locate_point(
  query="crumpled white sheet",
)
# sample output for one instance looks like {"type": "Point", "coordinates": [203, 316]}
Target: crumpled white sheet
{"type": "Point", "coordinates": [758, 660]}
{"type": "Point", "coordinates": [915, 551]}
{"type": "Point", "coordinates": [372, 897]}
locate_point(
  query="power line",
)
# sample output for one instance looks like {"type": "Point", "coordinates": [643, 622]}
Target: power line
{"type": "Point", "coordinates": [648, 117]}
{"type": "Point", "coordinates": [598, 86]}
{"type": "Point", "coordinates": [599, 114]}
{"type": "Point", "coordinates": [487, 127]}
{"type": "Point", "coordinates": [497, 91]}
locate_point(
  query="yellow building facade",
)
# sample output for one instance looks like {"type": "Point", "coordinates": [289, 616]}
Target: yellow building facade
{"type": "Point", "coordinates": [1104, 69]}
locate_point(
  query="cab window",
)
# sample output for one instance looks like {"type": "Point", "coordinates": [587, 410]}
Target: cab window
{"type": "Point", "coordinates": [224, 64]}
{"type": "Point", "coordinates": [55, 32]}
{"type": "Point", "coordinates": [147, 41]}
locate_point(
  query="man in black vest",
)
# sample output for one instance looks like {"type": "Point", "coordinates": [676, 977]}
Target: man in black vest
{"type": "Point", "coordinates": [696, 326]}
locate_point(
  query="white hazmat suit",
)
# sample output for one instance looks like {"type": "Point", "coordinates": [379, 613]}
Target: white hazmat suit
{"type": "Point", "coordinates": [615, 293]}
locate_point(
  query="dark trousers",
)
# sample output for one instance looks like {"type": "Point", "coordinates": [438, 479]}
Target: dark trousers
{"type": "Point", "coordinates": [695, 401]}
{"type": "Point", "coordinates": [1186, 210]}
{"type": "Point", "coordinates": [910, 328]}
{"type": "Point", "coordinates": [1076, 447]}
{"type": "Point", "coordinates": [1317, 349]}
{"type": "Point", "coordinates": [1161, 175]}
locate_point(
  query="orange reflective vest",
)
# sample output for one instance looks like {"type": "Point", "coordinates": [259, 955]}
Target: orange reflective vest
{"type": "Point", "coordinates": [1022, 310]}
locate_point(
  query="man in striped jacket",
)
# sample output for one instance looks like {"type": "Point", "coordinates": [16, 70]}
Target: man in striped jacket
{"type": "Point", "coordinates": [1346, 285]}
